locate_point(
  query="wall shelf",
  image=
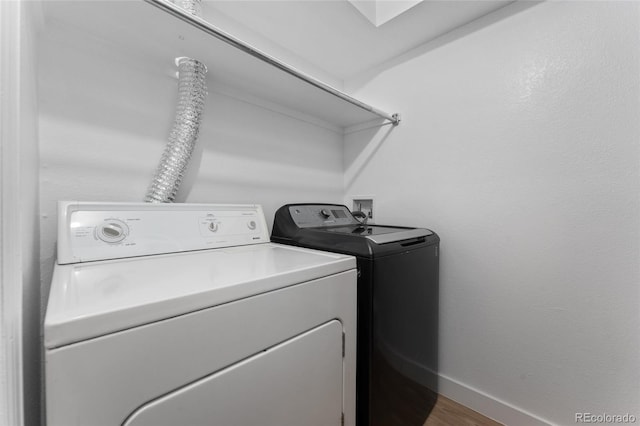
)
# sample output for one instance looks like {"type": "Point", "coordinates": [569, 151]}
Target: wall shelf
{"type": "Point", "coordinates": [156, 27]}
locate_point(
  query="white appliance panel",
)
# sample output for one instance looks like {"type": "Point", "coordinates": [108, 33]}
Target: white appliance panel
{"type": "Point", "coordinates": [99, 231]}
{"type": "Point", "coordinates": [95, 298]}
{"type": "Point", "coordinates": [186, 300]}
{"type": "Point", "coordinates": [298, 382]}
{"type": "Point", "coordinates": [131, 367]}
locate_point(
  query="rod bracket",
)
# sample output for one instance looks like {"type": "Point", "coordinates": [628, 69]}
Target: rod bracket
{"type": "Point", "coordinates": [395, 119]}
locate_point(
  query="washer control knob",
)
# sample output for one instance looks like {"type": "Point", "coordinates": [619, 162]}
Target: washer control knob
{"type": "Point", "coordinates": [112, 231]}
{"type": "Point", "coordinates": [325, 213]}
{"type": "Point", "coordinates": [213, 226]}
{"type": "Point", "coordinates": [252, 224]}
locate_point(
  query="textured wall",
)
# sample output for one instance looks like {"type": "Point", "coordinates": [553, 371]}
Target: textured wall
{"type": "Point", "coordinates": [520, 147]}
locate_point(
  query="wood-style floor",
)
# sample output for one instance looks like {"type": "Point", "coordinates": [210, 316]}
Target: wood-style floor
{"type": "Point", "coordinates": [449, 413]}
{"type": "Point", "coordinates": [401, 401]}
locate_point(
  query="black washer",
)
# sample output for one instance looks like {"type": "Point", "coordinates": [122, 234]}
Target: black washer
{"type": "Point", "coordinates": [397, 358]}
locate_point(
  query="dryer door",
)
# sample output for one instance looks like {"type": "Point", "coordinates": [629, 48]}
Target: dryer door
{"type": "Point", "coordinates": [297, 382]}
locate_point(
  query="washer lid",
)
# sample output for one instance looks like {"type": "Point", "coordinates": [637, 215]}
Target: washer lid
{"type": "Point", "coordinates": [380, 234]}
{"type": "Point", "coordinates": [97, 298]}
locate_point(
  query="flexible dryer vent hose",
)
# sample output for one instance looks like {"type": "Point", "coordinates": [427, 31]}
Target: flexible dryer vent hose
{"type": "Point", "coordinates": [192, 91]}
{"type": "Point", "coordinates": [191, 6]}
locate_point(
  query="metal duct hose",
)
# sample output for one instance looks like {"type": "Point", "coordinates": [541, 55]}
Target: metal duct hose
{"type": "Point", "coordinates": [191, 6]}
{"type": "Point", "coordinates": [192, 91]}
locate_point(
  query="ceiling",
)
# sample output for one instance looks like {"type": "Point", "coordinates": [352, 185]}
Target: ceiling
{"type": "Point", "coordinates": [335, 37]}
{"type": "Point", "coordinates": [379, 12]}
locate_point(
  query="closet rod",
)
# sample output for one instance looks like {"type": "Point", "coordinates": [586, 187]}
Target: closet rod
{"type": "Point", "coordinates": [205, 26]}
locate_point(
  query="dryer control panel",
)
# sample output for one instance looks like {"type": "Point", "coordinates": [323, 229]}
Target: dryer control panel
{"type": "Point", "coordinates": [100, 231]}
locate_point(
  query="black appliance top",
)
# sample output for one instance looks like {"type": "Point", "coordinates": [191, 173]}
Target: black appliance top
{"type": "Point", "coordinates": [332, 227]}
{"type": "Point", "coordinates": [362, 230]}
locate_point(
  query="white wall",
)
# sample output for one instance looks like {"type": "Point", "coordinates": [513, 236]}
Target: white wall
{"type": "Point", "coordinates": [220, 14]}
{"type": "Point", "coordinates": [105, 113]}
{"type": "Point", "coordinates": [520, 147]}
{"type": "Point", "coordinates": [20, 219]}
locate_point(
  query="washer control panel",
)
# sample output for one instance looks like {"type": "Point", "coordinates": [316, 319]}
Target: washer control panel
{"type": "Point", "coordinates": [100, 231]}
{"type": "Point", "coordinates": [313, 215]}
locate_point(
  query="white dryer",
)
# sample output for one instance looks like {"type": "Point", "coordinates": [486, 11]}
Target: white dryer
{"type": "Point", "coordinates": [186, 314]}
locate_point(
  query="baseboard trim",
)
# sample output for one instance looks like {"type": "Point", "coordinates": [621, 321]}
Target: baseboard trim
{"type": "Point", "coordinates": [487, 405]}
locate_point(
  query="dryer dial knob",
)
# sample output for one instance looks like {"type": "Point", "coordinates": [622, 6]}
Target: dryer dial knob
{"type": "Point", "coordinates": [112, 231]}
{"type": "Point", "coordinates": [325, 213]}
